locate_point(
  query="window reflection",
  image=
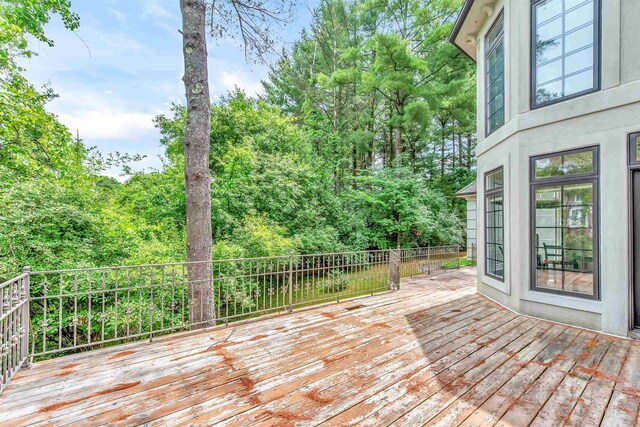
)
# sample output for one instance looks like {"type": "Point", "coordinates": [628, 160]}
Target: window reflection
{"type": "Point", "coordinates": [494, 224]}
{"type": "Point", "coordinates": [565, 164]}
{"type": "Point", "coordinates": [564, 49]}
{"type": "Point", "coordinates": [564, 232]}
{"type": "Point", "coordinates": [494, 46]}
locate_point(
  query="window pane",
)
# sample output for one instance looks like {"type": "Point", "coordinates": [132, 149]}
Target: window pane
{"type": "Point", "coordinates": [578, 17]}
{"type": "Point", "coordinates": [564, 245]}
{"type": "Point", "coordinates": [565, 164]}
{"type": "Point", "coordinates": [570, 4]}
{"type": "Point", "coordinates": [579, 61]}
{"type": "Point", "coordinates": [637, 139]}
{"type": "Point", "coordinates": [549, 9]}
{"type": "Point", "coordinates": [494, 179]}
{"type": "Point", "coordinates": [494, 225]}
{"type": "Point", "coordinates": [565, 39]}
{"type": "Point", "coordinates": [550, 30]}
{"type": "Point", "coordinates": [496, 32]}
{"type": "Point", "coordinates": [495, 105]}
{"type": "Point", "coordinates": [549, 50]}
{"type": "Point", "coordinates": [494, 46]}
{"type": "Point", "coordinates": [550, 71]}
{"type": "Point", "coordinates": [549, 92]}
{"type": "Point", "coordinates": [579, 39]}
{"type": "Point", "coordinates": [578, 82]}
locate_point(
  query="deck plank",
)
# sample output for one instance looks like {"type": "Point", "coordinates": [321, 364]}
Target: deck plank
{"type": "Point", "coordinates": [433, 353]}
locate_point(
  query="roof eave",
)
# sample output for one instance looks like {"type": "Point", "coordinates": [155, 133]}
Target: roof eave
{"type": "Point", "coordinates": [458, 25]}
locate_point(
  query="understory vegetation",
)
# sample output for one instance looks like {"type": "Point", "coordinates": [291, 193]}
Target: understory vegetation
{"type": "Point", "coordinates": [363, 133]}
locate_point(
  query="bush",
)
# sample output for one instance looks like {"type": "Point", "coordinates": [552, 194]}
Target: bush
{"type": "Point", "coordinates": [335, 281]}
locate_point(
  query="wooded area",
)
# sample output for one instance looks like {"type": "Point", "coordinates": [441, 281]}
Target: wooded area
{"type": "Point", "coordinates": [365, 130]}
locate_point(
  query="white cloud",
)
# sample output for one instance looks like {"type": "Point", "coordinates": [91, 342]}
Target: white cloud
{"type": "Point", "coordinates": [229, 80]}
{"type": "Point", "coordinates": [152, 8]}
{"type": "Point", "coordinates": [107, 124]}
{"type": "Point", "coordinates": [120, 17]}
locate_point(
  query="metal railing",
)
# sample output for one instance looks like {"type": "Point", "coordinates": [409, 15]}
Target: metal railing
{"type": "Point", "coordinates": [14, 322]}
{"type": "Point", "coordinates": [83, 309]}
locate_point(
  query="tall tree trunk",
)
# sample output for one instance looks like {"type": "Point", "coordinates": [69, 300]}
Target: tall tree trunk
{"type": "Point", "coordinates": [469, 151]}
{"type": "Point", "coordinates": [372, 129]}
{"type": "Point", "coordinates": [397, 146]}
{"type": "Point", "coordinates": [390, 158]}
{"type": "Point", "coordinates": [460, 159]}
{"type": "Point", "coordinates": [453, 155]}
{"type": "Point", "coordinates": [196, 169]}
{"type": "Point", "coordinates": [442, 146]}
{"type": "Point", "coordinates": [397, 133]}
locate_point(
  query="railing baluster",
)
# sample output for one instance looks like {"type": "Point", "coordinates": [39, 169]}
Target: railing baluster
{"type": "Point", "coordinates": [242, 288]}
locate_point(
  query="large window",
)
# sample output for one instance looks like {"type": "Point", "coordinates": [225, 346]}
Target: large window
{"type": "Point", "coordinates": [565, 49]}
{"type": "Point", "coordinates": [494, 54]}
{"type": "Point", "coordinates": [494, 224]}
{"type": "Point", "coordinates": [564, 193]}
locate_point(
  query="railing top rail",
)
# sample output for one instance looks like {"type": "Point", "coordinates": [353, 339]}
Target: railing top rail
{"type": "Point", "coordinates": [218, 261]}
{"type": "Point", "coordinates": [13, 280]}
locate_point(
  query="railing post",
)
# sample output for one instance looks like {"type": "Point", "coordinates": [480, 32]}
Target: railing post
{"type": "Point", "coordinates": [394, 269]}
{"type": "Point", "coordinates": [459, 250]}
{"type": "Point", "coordinates": [26, 316]}
{"type": "Point", "coordinates": [290, 283]}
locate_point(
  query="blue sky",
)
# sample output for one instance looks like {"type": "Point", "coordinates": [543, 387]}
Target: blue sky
{"type": "Point", "coordinates": [124, 66]}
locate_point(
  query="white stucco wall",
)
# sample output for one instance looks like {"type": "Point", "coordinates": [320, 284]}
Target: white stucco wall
{"type": "Point", "coordinates": [603, 118]}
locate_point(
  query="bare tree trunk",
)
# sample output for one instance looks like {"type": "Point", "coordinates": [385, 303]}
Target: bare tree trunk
{"type": "Point", "coordinates": [397, 133]}
{"type": "Point", "coordinates": [469, 151]}
{"type": "Point", "coordinates": [372, 129]}
{"type": "Point", "coordinates": [442, 146]}
{"type": "Point", "coordinates": [453, 146]}
{"type": "Point", "coordinates": [196, 169]}
{"type": "Point", "coordinates": [397, 145]}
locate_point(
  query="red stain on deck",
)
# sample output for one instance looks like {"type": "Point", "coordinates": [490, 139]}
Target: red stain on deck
{"type": "Point", "coordinates": [596, 373]}
{"type": "Point", "coordinates": [122, 354]}
{"type": "Point", "coordinates": [118, 387]}
{"type": "Point", "coordinates": [478, 363]}
{"type": "Point", "coordinates": [410, 374]}
{"type": "Point", "coordinates": [286, 418]}
{"type": "Point", "coordinates": [69, 366]}
{"type": "Point", "coordinates": [333, 359]}
{"type": "Point", "coordinates": [314, 396]}
{"type": "Point", "coordinates": [381, 325]}
{"type": "Point", "coordinates": [258, 337]}
{"type": "Point", "coordinates": [487, 342]}
{"type": "Point", "coordinates": [592, 343]}
{"type": "Point", "coordinates": [329, 315]}
{"type": "Point", "coordinates": [415, 387]}
{"type": "Point", "coordinates": [121, 417]}
{"type": "Point", "coordinates": [247, 383]}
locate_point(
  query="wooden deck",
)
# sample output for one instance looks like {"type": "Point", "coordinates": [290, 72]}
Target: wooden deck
{"type": "Point", "coordinates": [433, 353]}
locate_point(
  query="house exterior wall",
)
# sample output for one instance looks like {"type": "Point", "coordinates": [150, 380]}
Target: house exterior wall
{"type": "Point", "coordinates": [603, 118]}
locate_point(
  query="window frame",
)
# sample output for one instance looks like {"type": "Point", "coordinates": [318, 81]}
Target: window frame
{"type": "Point", "coordinates": [597, 58]}
{"type": "Point", "coordinates": [487, 194]}
{"type": "Point", "coordinates": [536, 183]}
{"type": "Point", "coordinates": [632, 148]}
{"type": "Point", "coordinates": [487, 51]}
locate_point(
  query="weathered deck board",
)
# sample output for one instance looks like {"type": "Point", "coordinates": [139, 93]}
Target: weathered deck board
{"type": "Point", "coordinates": [433, 353]}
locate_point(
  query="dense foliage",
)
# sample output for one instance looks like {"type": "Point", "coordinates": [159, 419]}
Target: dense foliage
{"type": "Point", "coordinates": [365, 130]}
